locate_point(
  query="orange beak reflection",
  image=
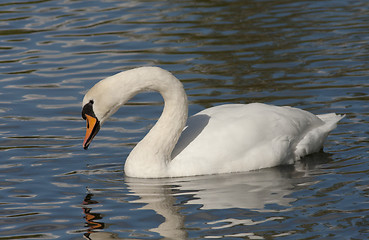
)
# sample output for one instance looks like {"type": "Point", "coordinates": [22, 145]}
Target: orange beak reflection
{"type": "Point", "coordinates": [92, 128]}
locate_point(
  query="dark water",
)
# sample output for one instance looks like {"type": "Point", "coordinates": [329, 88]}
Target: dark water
{"type": "Point", "coordinates": [313, 55]}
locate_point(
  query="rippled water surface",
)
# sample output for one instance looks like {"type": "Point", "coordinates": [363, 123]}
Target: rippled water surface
{"type": "Point", "coordinates": [313, 55]}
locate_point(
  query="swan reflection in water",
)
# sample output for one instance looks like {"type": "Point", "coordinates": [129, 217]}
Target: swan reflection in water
{"type": "Point", "coordinates": [257, 191]}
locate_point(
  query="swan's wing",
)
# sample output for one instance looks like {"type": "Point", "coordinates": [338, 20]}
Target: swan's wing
{"type": "Point", "coordinates": [236, 137]}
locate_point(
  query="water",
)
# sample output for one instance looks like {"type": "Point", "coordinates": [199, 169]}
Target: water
{"type": "Point", "coordinates": [309, 54]}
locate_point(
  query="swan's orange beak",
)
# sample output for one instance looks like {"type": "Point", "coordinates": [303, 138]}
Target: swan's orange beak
{"type": "Point", "coordinates": [92, 128]}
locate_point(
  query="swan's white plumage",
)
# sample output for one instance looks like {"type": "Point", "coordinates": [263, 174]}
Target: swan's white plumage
{"type": "Point", "coordinates": [249, 137]}
{"type": "Point", "coordinates": [221, 139]}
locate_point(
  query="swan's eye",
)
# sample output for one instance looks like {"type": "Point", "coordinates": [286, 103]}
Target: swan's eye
{"type": "Point", "coordinates": [87, 109]}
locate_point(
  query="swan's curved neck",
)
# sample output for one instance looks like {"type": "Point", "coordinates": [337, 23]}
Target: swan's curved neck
{"type": "Point", "coordinates": [152, 154]}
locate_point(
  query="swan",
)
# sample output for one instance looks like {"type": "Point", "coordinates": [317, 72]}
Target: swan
{"type": "Point", "coordinates": [221, 139]}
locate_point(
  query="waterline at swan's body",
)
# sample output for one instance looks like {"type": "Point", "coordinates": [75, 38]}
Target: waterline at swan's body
{"type": "Point", "coordinates": [221, 139]}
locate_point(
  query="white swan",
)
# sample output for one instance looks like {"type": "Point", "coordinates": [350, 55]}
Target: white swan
{"type": "Point", "coordinates": [221, 139]}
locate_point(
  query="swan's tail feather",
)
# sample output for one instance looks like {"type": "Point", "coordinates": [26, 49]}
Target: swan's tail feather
{"type": "Point", "coordinates": [331, 120]}
{"type": "Point", "coordinates": [313, 140]}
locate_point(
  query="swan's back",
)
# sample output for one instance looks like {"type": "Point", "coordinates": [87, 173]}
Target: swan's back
{"type": "Point", "coordinates": [238, 137]}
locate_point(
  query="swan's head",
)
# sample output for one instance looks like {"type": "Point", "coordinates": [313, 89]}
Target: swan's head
{"type": "Point", "coordinates": [100, 102]}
